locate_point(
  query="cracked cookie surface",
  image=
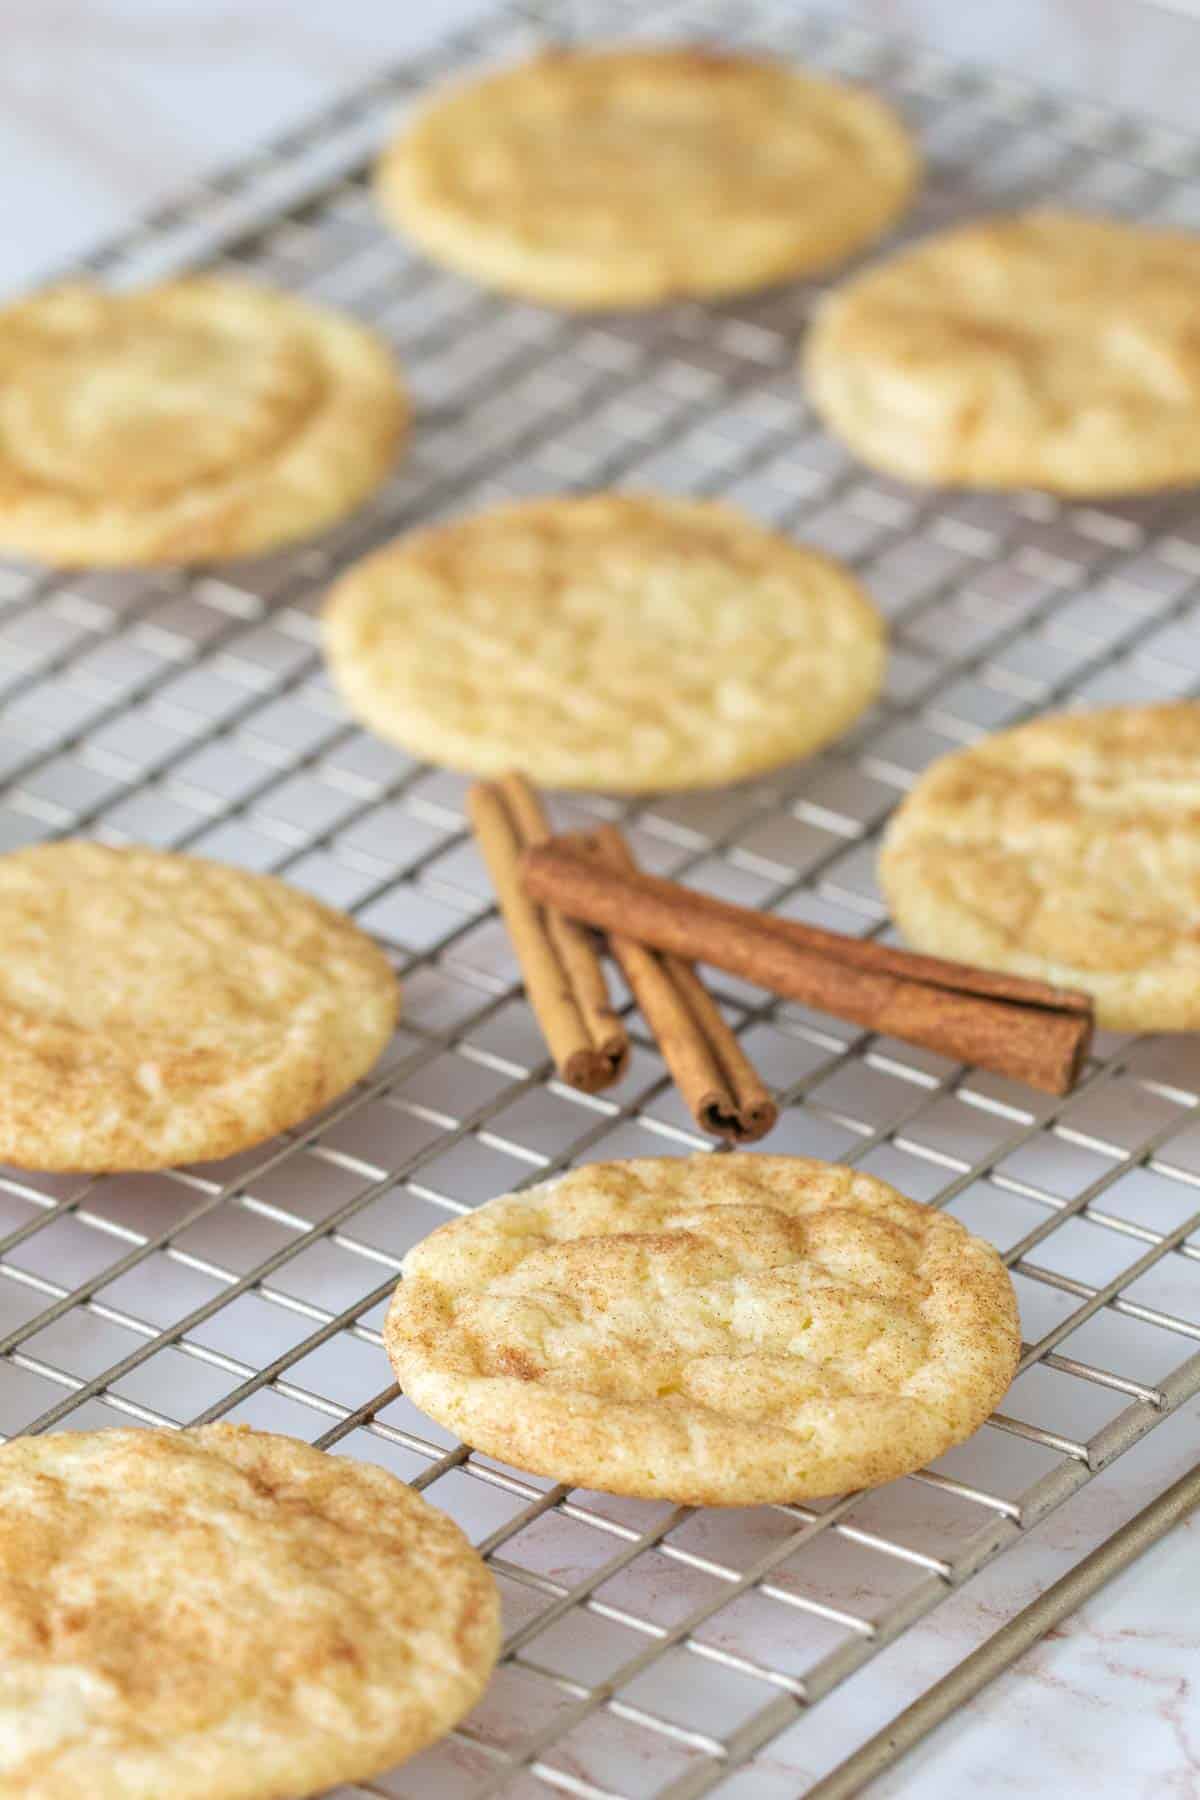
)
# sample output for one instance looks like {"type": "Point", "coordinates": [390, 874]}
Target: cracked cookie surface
{"type": "Point", "coordinates": [1066, 849]}
{"type": "Point", "coordinates": [1041, 349]}
{"type": "Point", "coordinates": [158, 1009]}
{"type": "Point", "coordinates": [202, 418]}
{"type": "Point", "coordinates": [222, 1611]}
{"type": "Point", "coordinates": [718, 1330]}
{"type": "Point", "coordinates": [616, 641]}
{"type": "Point", "coordinates": [624, 177]}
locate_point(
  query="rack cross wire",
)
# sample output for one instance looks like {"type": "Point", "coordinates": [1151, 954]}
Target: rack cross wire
{"type": "Point", "coordinates": [651, 1649]}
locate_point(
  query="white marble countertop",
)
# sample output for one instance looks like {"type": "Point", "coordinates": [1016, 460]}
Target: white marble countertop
{"type": "Point", "coordinates": [1107, 1705]}
{"type": "Point", "coordinates": [107, 106]}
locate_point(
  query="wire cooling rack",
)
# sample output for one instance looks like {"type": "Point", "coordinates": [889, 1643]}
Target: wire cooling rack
{"type": "Point", "coordinates": [651, 1650]}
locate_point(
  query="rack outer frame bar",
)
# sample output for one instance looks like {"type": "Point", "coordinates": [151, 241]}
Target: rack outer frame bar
{"type": "Point", "coordinates": [1006, 1646]}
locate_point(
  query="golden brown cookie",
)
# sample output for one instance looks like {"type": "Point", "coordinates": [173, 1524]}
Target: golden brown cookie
{"type": "Point", "coordinates": [1042, 350]}
{"type": "Point", "coordinates": [623, 177]}
{"type": "Point", "coordinates": [1065, 849]}
{"type": "Point", "coordinates": [716, 1330]}
{"type": "Point", "coordinates": [159, 1009]}
{"type": "Point", "coordinates": [618, 641]}
{"type": "Point", "coordinates": [222, 1614]}
{"type": "Point", "coordinates": [203, 418]}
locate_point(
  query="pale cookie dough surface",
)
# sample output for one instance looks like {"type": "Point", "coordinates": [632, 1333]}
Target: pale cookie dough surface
{"type": "Point", "coordinates": [204, 418]}
{"type": "Point", "coordinates": [159, 1009]}
{"type": "Point", "coordinates": [719, 1330]}
{"type": "Point", "coordinates": [222, 1614]}
{"type": "Point", "coordinates": [1044, 350]}
{"type": "Point", "coordinates": [623, 177]}
{"type": "Point", "coordinates": [1067, 849]}
{"type": "Point", "coordinates": [617, 641]}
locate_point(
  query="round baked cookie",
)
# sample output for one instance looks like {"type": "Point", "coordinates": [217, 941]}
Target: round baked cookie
{"type": "Point", "coordinates": [158, 1009]}
{"type": "Point", "coordinates": [224, 1613]}
{"type": "Point", "coordinates": [627, 176]}
{"type": "Point", "coordinates": [1039, 350]}
{"type": "Point", "coordinates": [714, 1330]}
{"type": "Point", "coordinates": [203, 418]}
{"type": "Point", "coordinates": [1065, 849]}
{"type": "Point", "coordinates": [616, 641]}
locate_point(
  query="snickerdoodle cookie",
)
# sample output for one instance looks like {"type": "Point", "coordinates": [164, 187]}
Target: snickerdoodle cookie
{"type": "Point", "coordinates": [712, 1329]}
{"type": "Point", "coordinates": [203, 418]}
{"type": "Point", "coordinates": [159, 1009]}
{"type": "Point", "coordinates": [1040, 350]}
{"type": "Point", "coordinates": [1065, 849]}
{"type": "Point", "coordinates": [222, 1614]}
{"type": "Point", "coordinates": [618, 641]}
{"type": "Point", "coordinates": [628, 176]}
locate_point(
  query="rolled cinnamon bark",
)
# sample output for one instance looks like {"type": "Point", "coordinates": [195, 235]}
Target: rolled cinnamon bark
{"type": "Point", "coordinates": [1023, 1029]}
{"type": "Point", "coordinates": [563, 978]}
{"type": "Point", "coordinates": [717, 1080]}
{"type": "Point", "coordinates": [573, 945]}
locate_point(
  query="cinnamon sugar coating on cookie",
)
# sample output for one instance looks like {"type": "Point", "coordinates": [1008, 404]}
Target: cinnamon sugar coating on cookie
{"type": "Point", "coordinates": [158, 1009]}
{"type": "Point", "coordinates": [223, 1612]}
{"type": "Point", "coordinates": [1067, 849]}
{"type": "Point", "coordinates": [203, 418]}
{"type": "Point", "coordinates": [718, 1330]}
{"type": "Point", "coordinates": [620, 641]}
{"type": "Point", "coordinates": [1043, 349]}
{"type": "Point", "coordinates": [627, 176]}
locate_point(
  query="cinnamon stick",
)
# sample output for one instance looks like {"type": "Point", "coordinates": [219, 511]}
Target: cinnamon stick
{"type": "Point", "coordinates": [719, 1084]}
{"type": "Point", "coordinates": [574, 946]}
{"type": "Point", "coordinates": [563, 978]}
{"type": "Point", "coordinates": [1024, 1029]}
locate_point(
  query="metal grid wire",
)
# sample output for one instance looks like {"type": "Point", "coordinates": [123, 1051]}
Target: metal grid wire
{"type": "Point", "coordinates": [651, 1649]}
